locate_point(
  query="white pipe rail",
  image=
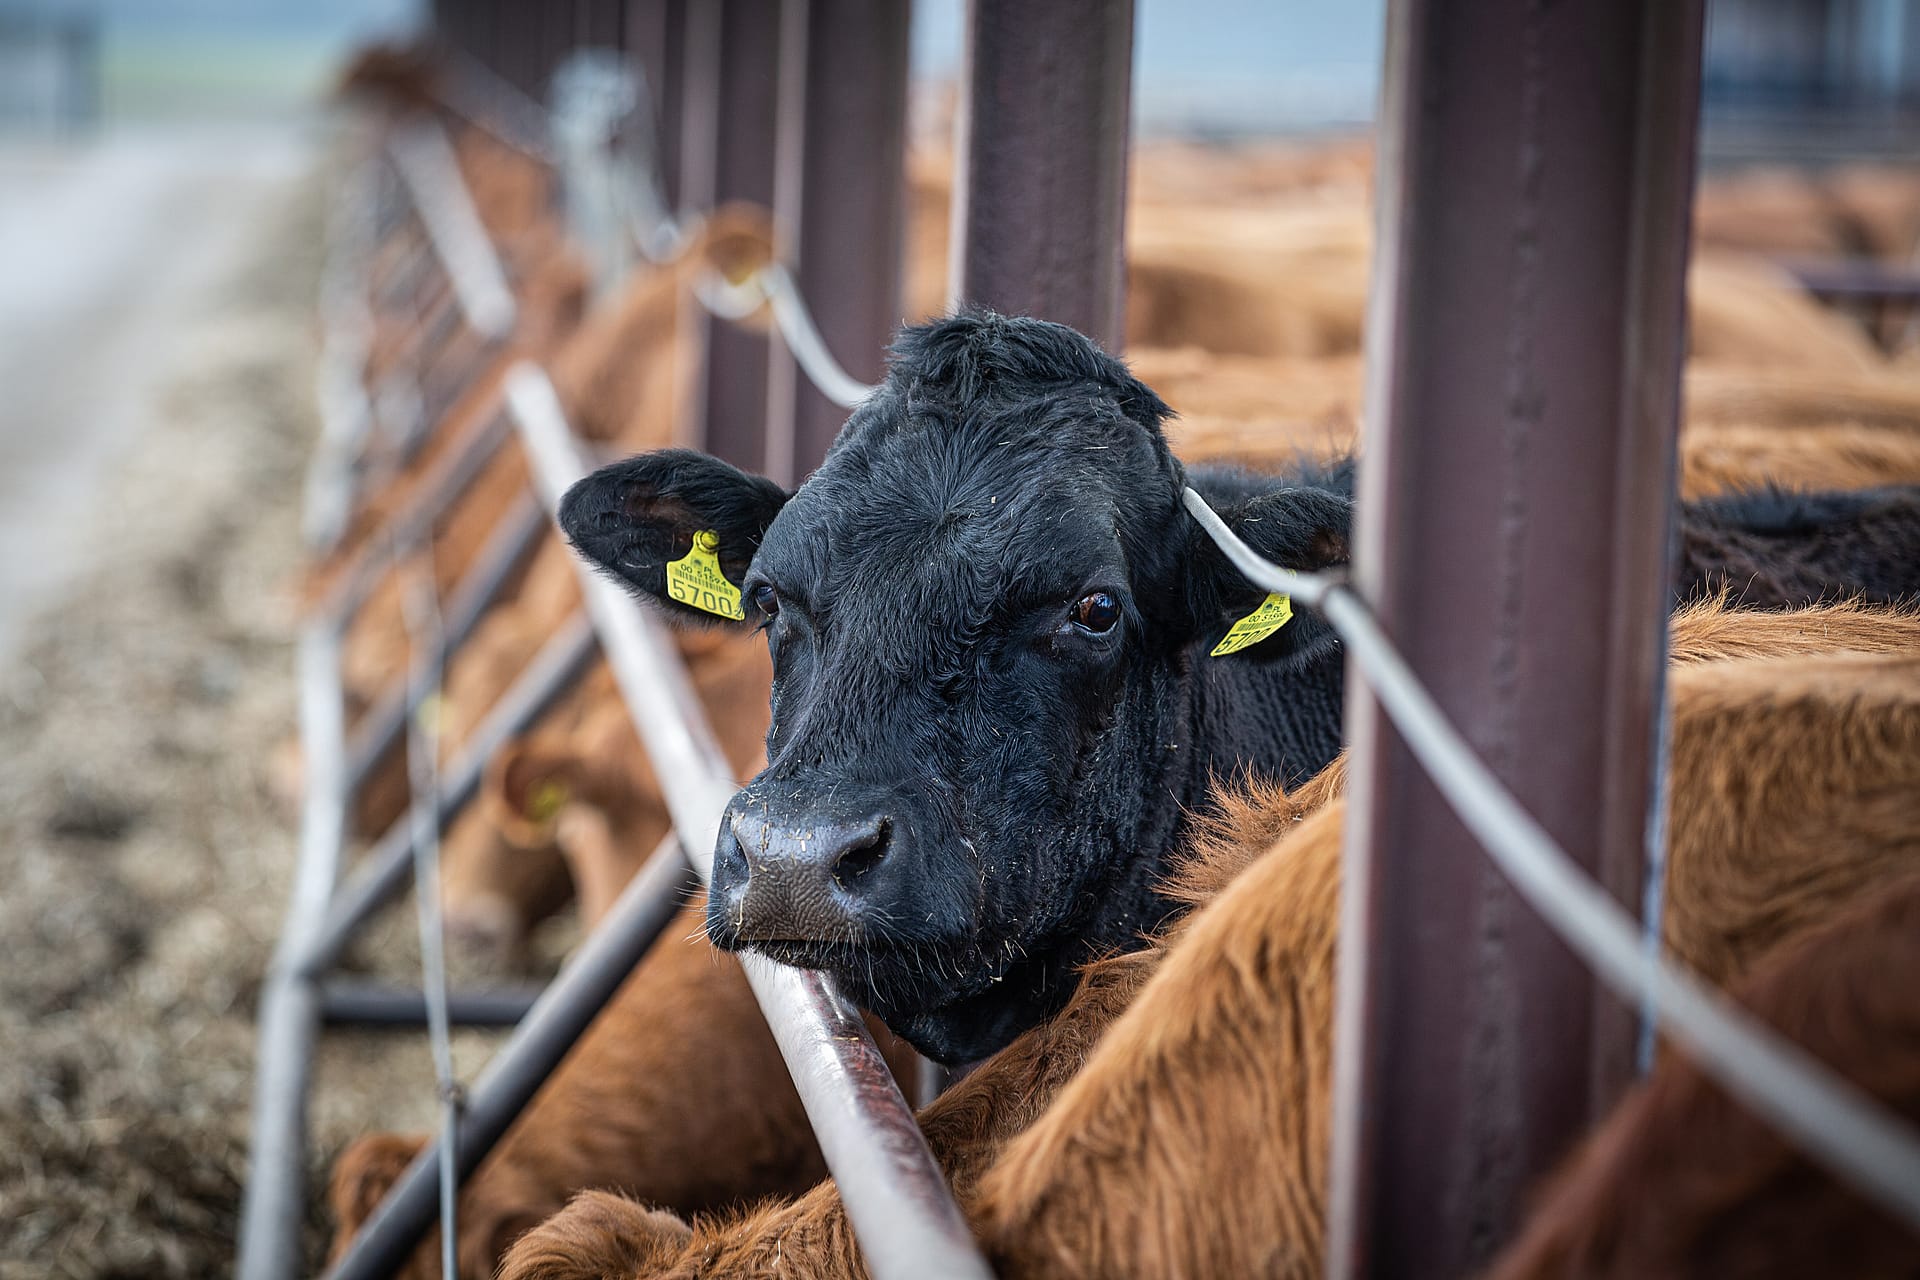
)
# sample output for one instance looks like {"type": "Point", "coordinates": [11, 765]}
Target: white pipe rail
{"type": "Point", "coordinates": [427, 164]}
{"type": "Point", "coordinates": [896, 1196]}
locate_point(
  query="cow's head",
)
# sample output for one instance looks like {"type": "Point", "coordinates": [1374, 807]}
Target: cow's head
{"type": "Point", "coordinates": [982, 609]}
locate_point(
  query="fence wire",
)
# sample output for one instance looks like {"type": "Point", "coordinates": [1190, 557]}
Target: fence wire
{"type": "Point", "coordinates": [426, 641]}
{"type": "Point", "coordinates": [1826, 1116]}
{"type": "Point", "coordinates": [606, 112]}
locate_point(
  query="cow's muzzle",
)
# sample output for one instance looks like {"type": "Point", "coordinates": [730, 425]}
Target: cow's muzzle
{"type": "Point", "coordinates": [805, 877]}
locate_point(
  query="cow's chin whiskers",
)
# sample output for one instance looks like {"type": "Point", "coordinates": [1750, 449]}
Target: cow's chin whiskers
{"type": "Point", "coordinates": [889, 974]}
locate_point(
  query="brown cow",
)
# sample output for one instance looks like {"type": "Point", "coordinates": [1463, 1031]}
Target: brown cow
{"type": "Point", "coordinates": [623, 377]}
{"type": "Point", "coordinates": [579, 794]}
{"type": "Point", "coordinates": [1683, 1181]}
{"type": "Point", "coordinates": [675, 1093]}
{"type": "Point", "coordinates": [1214, 1079]}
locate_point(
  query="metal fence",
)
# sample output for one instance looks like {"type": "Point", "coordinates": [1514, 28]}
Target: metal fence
{"type": "Point", "coordinates": [1512, 216]}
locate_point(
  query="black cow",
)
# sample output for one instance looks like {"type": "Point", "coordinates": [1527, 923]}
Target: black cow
{"type": "Point", "coordinates": [994, 704]}
{"type": "Point", "coordinates": [1780, 550]}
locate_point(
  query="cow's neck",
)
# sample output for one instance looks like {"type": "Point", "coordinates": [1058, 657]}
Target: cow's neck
{"type": "Point", "coordinates": [1232, 720]}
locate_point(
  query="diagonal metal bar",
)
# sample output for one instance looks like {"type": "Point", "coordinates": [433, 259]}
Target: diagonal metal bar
{"type": "Point", "coordinates": [509, 543]}
{"type": "Point", "coordinates": [437, 490]}
{"type": "Point", "coordinates": [523, 1064]}
{"type": "Point", "coordinates": [385, 868]}
{"type": "Point", "coordinates": [427, 165]}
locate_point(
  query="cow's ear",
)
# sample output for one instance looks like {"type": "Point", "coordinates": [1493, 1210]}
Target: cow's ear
{"type": "Point", "coordinates": [1305, 529]}
{"type": "Point", "coordinates": [678, 527]}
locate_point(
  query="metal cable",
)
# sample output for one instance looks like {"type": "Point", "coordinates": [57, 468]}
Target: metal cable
{"type": "Point", "coordinates": [1850, 1133]}
{"type": "Point", "coordinates": [425, 640]}
{"type": "Point", "coordinates": [662, 239]}
{"type": "Point", "coordinates": [809, 349]}
{"type": "Point", "coordinates": [774, 285]}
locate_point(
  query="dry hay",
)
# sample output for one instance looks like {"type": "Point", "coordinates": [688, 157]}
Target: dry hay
{"type": "Point", "coordinates": [145, 855]}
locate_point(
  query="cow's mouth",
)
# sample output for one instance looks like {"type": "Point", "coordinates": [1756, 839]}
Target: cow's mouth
{"type": "Point", "coordinates": [882, 976]}
{"type": "Point", "coordinates": [830, 956]}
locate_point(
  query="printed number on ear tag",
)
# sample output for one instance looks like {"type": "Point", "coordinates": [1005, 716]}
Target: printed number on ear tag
{"type": "Point", "coordinates": [695, 579]}
{"type": "Point", "coordinates": [1272, 615]}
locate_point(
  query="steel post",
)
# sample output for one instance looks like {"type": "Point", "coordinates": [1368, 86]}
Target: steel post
{"type": "Point", "coordinates": [736, 123]}
{"type": "Point", "coordinates": [1524, 343]}
{"type": "Point", "coordinates": [1039, 200]}
{"type": "Point", "coordinates": [657, 40]}
{"type": "Point", "coordinates": [839, 206]}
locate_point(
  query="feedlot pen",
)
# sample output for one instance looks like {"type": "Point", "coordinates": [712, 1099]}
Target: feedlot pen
{"type": "Point", "coordinates": [1525, 323]}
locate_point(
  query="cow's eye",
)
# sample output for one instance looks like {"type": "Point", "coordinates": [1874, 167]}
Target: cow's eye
{"type": "Point", "coordinates": [767, 599]}
{"type": "Point", "coordinates": [1097, 612]}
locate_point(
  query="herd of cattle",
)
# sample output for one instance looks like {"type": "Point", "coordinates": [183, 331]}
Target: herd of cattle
{"type": "Point", "coordinates": [1004, 792]}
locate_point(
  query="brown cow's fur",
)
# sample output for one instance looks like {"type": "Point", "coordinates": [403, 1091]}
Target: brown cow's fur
{"type": "Point", "coordinates": [1734, 457]}
{"type": "Point", "coordinates": [586, 791]}
{"type": "Point", "coordinates": [1710, 631]}
{"type": "Point", "coordinates": [1683, 1181]}
{"type": "Point", "coordinates": [1810, 758]}
{"type": "Point", "coordinates": [1750, 313]}
{"type": "Point", "coordinates": [1241, 1009]}
{"type": "Point", "coordinates": [1214, 1078]}
{"type": "Point", "coordinates": [676, 1094]}
{"type": "Point", "coordinates": [1762, 397]}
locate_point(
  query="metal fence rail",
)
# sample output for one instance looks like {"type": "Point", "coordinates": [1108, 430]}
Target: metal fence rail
{"type": "Point", "coordinates": [896, 1197]}
{"type": "Point", "coordinates": [295, 1000]}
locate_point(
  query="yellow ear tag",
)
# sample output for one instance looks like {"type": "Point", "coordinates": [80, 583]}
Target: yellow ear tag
{"type": "Point", "coordinates": [546, 799]}
{"type": "Point", "coordinates": [1272, 615]}
{"type": "Point", "coordinates": [695, 579]}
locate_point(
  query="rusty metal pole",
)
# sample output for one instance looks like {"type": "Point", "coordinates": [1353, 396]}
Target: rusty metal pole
{"type": "Point", "coordinates": [1040, 199]}
{"type": "Point", "coordinates": [1525, 340]}
{"type": "Point", "coordinates": [600, 24]}
{"type": "Point", "coordinates": [657, 39]}
{"type": "Point", "coordinates": [733, 58]}
{"type": "Point", "coordinates": [839, 206]}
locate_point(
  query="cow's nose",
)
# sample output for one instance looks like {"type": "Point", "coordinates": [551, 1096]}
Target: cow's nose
{"type": "Point", "coordinates": [806, 880]}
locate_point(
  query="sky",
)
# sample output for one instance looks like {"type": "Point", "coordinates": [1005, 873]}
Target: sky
{"type": "Point", "coordinates": [1208, 65]}
{"type": "Point", "coordinates": [1223, 65]}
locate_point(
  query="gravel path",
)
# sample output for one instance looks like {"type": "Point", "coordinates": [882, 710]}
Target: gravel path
{"type": "Point", "coordinates": [145, 853]}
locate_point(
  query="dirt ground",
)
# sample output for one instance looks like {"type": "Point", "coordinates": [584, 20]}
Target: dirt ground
{"type": "Point", "coordinates": [145, 854]}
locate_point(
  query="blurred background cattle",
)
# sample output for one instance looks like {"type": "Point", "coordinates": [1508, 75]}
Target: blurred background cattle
{"type": "Point", "coordinates": [171, 174]}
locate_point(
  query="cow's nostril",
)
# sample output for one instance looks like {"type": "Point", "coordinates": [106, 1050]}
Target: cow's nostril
{"type": "Point", "coordinates": [862, 854]}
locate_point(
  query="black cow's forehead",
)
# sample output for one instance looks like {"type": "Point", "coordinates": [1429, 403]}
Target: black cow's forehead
{"type": "Point", "coordinates": [939, 505]}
